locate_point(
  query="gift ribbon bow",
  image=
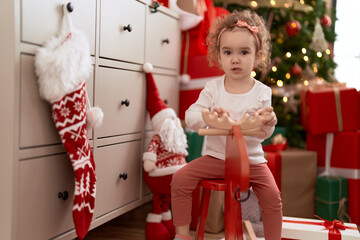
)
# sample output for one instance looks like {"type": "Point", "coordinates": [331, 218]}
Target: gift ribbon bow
{"type": "Point", "coordinates": [334, 226]}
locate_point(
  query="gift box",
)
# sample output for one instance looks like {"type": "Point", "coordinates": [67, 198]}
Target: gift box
{"type": "Point", "coordinates": [349, 141]}
{"type": "Point", "coordinates": [311, 229]}
{"type": "Point", "coordinates": [295, 171]}
{"type": "Point", "coordinates": [329, 110]}
{"type": "Point", "coordinates": [278, 130]}
{"type": "Point", "coordinates": [331, 198]}
{"type": "Point", "coordinates": [195, 145]}
{"type": "Point", "coordinates": [343, 161]}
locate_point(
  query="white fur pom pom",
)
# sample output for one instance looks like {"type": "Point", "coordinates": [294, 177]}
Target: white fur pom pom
{"type": "Point", "coordinates": [94, 117]}
{"type": "Point", "coordinates": [148, 67]}
{"type": "Point", "coordinates": [184, 79]}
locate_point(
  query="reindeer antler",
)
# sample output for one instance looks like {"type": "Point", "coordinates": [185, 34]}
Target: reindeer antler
{"type": "Point", "coordinates": [250, 125]}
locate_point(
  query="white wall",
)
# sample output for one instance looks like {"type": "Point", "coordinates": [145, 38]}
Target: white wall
{"type": "Point", "coordinates": [347, 44]}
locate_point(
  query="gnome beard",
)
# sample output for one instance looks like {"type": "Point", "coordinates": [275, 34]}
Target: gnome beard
{"type": "Point", "coordinates": [173, 136]}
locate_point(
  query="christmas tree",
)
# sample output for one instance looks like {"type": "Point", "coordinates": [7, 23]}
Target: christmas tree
{"type": "Point", "coordinates": [302, 38]}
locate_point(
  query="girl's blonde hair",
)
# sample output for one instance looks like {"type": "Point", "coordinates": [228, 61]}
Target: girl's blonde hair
{"type": "Point", "coordinates": [228, 22]}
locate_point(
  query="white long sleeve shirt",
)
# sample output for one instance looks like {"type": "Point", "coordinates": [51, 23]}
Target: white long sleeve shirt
{"type": "Point", "coordinates": [215, 95]}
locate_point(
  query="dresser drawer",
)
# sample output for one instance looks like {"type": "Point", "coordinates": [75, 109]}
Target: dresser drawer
{"type": "Point", "coordinates": [121, 96]}
{"type": "Point", "coordinates": [112, 191]}
{"type": "Point", "coordinates": [117, 42]}
{"type": "Point", "coordinates": [168, 87]}
{"type": "Point", "coordinates": [163, 41]}
{"type": "Point", "coordinates": [41, 214]}
{"type": "Point", "coordinates": [37, 127]}
{"type": "Point", "coordinates": [42, 19]}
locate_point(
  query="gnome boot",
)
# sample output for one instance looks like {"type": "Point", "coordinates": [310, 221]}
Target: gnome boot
{"type": "Point", "coordinates": [168, 223]}
{"type": "Point", "coordinates": [154, 229]}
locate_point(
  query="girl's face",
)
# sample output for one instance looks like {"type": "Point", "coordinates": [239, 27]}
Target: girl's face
{"type": "Point", "coordinates": [237, 54]}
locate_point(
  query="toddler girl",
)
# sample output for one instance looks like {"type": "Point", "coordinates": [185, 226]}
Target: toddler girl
{"type": "Point", "coordinates": [240, 43]}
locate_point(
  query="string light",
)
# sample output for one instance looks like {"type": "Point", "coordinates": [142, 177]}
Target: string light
{"type": "Point", "coordinates": [327, 51]}
{"type": "Point", "coordinates": [280, 83]}
{"type": "Point", "coordinates": [253, 74]}
{"type": "Point", "coordinates": [303, 50]}
{"type": "Point", "coordinates": [274, 68]}
{"type": "Point", "coordinates": [254, 4]}
{"type": "Point", "coordinates": [306, 58]}
{"type": "Point", "coordinates": [285, 99]}
{"type": "Point", "coordinates": [288, 54]}
{"type": "Point", "coordinates": [315, 68]}
{"type": "Point", "coordinates": [287, 75]}
{"type": "Point", "coordinates": [319, 54]}
{"type": "Point", "coordinates": [302, 1]}
{"type": "Point", "coordinates": [272, 2]}
{"type": "Point", "coordinates": [306, 82]}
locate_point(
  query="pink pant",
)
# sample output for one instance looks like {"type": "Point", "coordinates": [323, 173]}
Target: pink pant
{"type": "Point", "coordinates": [187, 178]}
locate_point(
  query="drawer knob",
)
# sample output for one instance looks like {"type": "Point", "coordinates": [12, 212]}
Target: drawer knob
{"type": "Point", "coordinates": [63, 195]}
{"type": "Point", "coordinates": [126, 102]}
{"type": "Point", "coordinates": [70, 7]}
{"type": "Point", "coordinates": [123, 175]}
{"type": "Point", "coordinates": [166, 40]}
{"type": "Point", "coordinates": [128, 28]}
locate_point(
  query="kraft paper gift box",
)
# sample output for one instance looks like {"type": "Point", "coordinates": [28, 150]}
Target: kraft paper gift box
{"type": "Point", "coordinates": [331, 198]}
{"type": "Point", "coordinates": [314, 229]}
{"type": "Point", "coordinates": [295, 171]}
{"type": "Point", "coordinates": [328, 110]}
{"type": "Point", "coordinates": [343, 161]}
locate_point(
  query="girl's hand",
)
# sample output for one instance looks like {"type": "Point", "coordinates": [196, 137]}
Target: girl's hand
{"type": "Point", "coordinates": [221, 111]}
{"type": "Point", "coordinates": [270, 119]}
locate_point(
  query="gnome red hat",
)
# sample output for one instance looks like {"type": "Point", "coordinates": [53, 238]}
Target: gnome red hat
{"type": "Point", "coordinates": [155, 105]}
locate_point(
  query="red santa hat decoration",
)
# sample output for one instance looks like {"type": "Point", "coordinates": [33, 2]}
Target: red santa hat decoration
{"type": "Point", "coordinates": [155, 105]}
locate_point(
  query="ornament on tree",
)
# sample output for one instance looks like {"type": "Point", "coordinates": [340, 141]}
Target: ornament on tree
{"type": "Point", "coordinates": [292, 27]}
{"type": "Point", "coordinates": [326, 21]}
{"type": "Point", "coordinates": [308, 73]}
{"type": "Point", "coordinates": [318, 43]}
{"type": "Point", "coordinates": [63, 65]}
{"type": "Point", "coordinates": [296, 70]}
{"type": "Point", "coordinates": [291, 105]}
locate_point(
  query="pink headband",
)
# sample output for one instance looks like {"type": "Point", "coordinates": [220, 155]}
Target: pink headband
{"type": "Point", "coordinates": [241, 23]}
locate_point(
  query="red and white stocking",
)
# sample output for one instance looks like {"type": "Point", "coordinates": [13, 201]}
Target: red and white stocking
{"type": "Point", "coordinates": [69, 114]}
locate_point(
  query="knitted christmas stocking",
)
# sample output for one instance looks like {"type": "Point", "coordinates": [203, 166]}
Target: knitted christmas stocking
{"type": "Point", "coordinates": [69, 114]}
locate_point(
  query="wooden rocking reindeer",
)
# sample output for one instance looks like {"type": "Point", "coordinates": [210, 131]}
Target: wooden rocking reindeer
{"type": "Point", "coordinates": [237, 171]}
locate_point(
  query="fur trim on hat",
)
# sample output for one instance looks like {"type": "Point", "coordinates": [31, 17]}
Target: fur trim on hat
{"type": "Point", "coordinates": [154, 218]}
{"type": "Point", "coordinates": [160, 116]}
{"type": "Point", "coordinates": [148, 67]}
{"type": "Point", "coordinates": [149, 156]}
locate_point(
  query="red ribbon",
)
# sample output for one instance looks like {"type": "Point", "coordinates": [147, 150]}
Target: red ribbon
{"type": "Point", "coordinates": [334, 227]}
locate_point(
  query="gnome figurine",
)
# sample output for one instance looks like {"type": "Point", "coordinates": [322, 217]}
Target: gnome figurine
{"type": "Point", "coordinates": [165, 155]}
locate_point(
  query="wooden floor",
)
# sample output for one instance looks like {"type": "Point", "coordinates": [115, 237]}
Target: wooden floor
{"type": "Point", "coordinates": [131, 226]}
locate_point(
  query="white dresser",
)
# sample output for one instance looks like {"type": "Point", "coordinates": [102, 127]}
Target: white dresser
{"type": "Point", "coordinates": [34, 167]}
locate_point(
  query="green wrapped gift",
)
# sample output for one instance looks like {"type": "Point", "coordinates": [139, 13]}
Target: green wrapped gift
{"type": "Point", "coordinates": [195, 144]}
{"type": "Point", "coordinates": [281, 130]}
{"type": "Point", "coordinates": [331, 198]}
